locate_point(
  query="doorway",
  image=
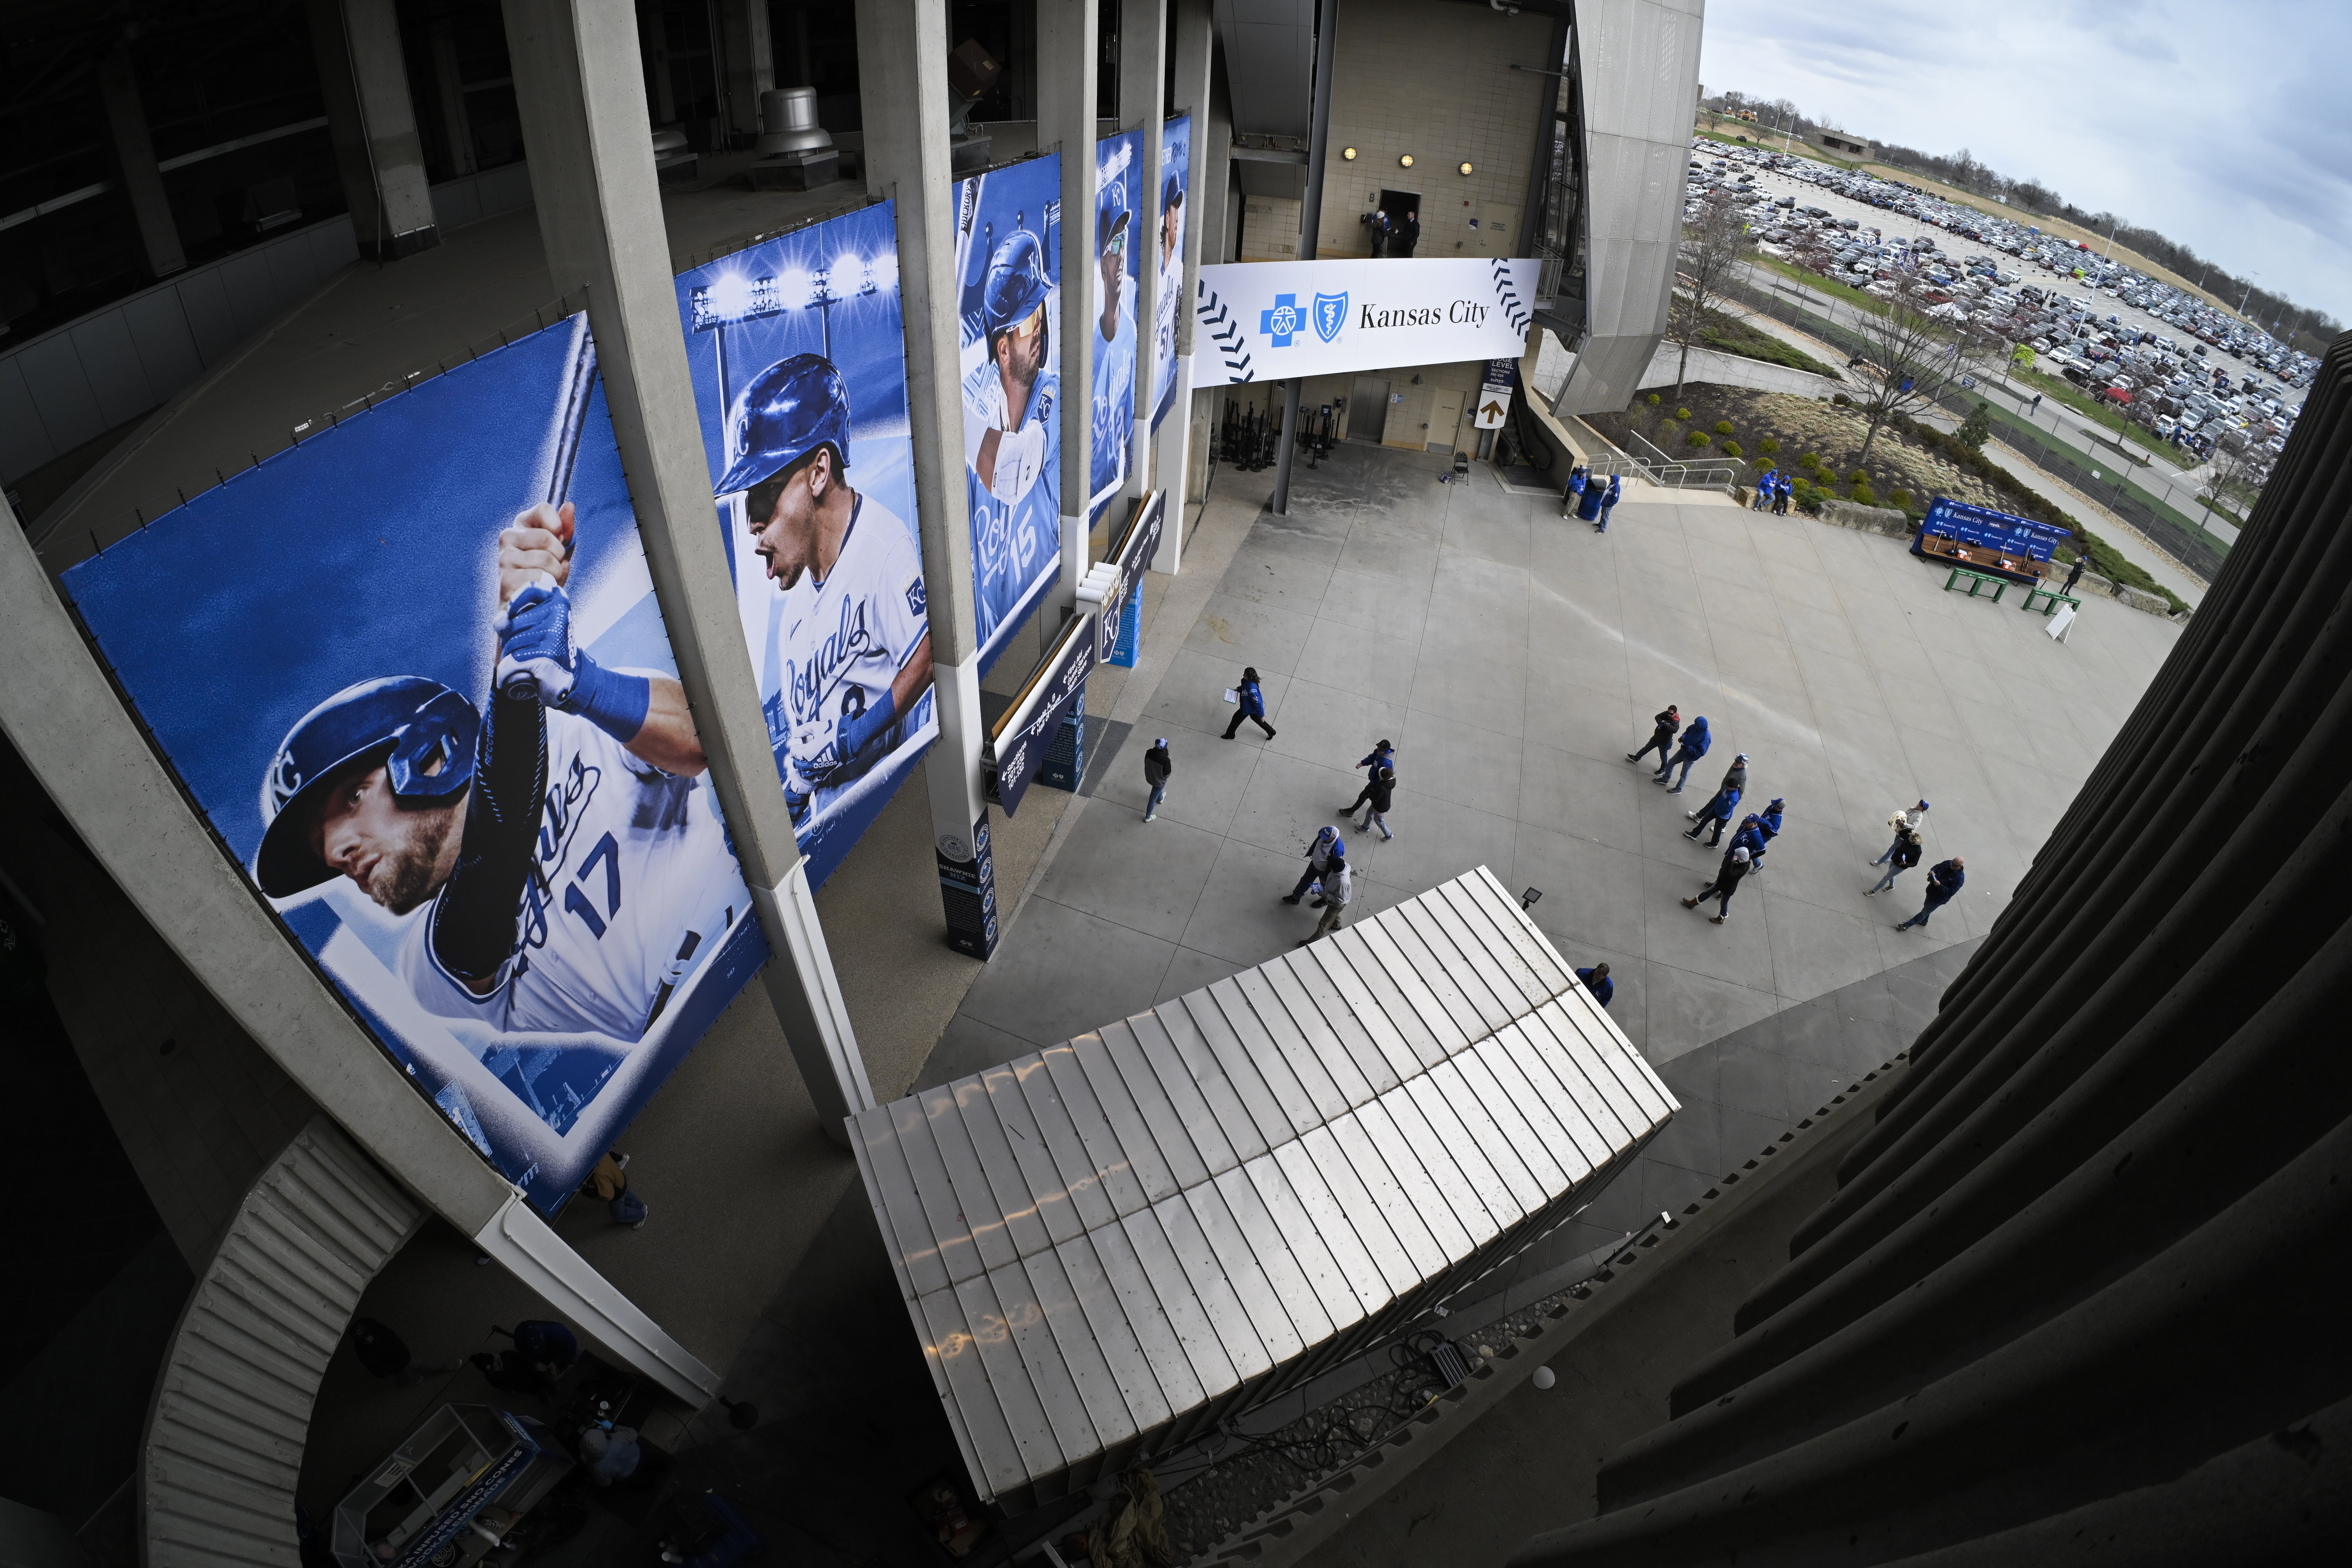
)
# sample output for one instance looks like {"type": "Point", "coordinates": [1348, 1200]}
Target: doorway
{"type": "Point", "coordinates": [1396, 204]}
{"type": "Point", "coordinates": [1444, 420]}
{"type": "Point", "coordinates": [1368, 410]}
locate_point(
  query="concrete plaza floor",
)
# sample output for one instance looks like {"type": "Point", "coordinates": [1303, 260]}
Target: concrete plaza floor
{"type": "Point", "coordinates": [1515, 659]}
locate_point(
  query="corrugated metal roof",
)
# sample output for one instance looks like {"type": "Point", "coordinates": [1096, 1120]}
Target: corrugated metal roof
{"type": "Point", "coordinates": [1107, 1245]}
{"type": "Point", "coordinates": [232, 1406]}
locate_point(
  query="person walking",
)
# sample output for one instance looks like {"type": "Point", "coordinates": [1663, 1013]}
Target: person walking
{"type": "Point", "coordinates": [1596, 981]}
{"type": "Point", "coordinates": [1944, 880]}
{"type": "Point", "coordinates": [1380, 756]}
{"type": "Point", "coordinates": [1327, 846]}
{"type": "Point", "coordinates": [1899, 859]}
{"type": "Point", "coordinates": [1607, 501]}
{"type": "Point", "coordinates": [1718, 810]}
{"type": "Point", "coordinates": [2075, 575]}
{"type": "Point", "coordinates": [1377, 222]}
{"type": "Point", "coordinates": [1377, 792]}
{"type": "Point", "coordinates": [1764, 489]}
{"type": "Point", "coordinates": [1902, 820]}
{"type": "Point", "coordinates": [1726, 882]}
{"type": "Point", "coordinates": [1250, 704]}
{"type": "Point", "coordinates": [1750, 837]}
{"type": "Point", "coordinates": [1781, 502]}
{"type": "Point", "coordinates": [1157, 765]}
{"type": "Point", "coordinates": [1695, 743]}
{"type": "Point", "coordinates": [1768, 827]}
{"type": "Point", "coordinates": [1662, 734]}
{"type": "Point", "coordinates": [1339, 887]}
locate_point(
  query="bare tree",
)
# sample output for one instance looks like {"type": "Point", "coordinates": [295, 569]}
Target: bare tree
{"type": "Point", "coordinates": [1714, 240]}
{"type": "Point", "coordinates": [2234, 468]}
{"type": "Point", "coordinates": [1906, 358]}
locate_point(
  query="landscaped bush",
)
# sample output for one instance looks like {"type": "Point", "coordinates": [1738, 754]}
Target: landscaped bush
{"type": "Point", "coordinates": [1857, 478]}
{"type": "Point", "coordinates": [1652, 400]}
{"type": "Point", "coordinates": [1901, 498]}
{"type": "Point", "coordinates": [1723, 427]}
{"type": "Point", "coordinates": [1808, 462]}
{"type": "Point", "coordinates": [1731, 450]}
{"type": "Point", "coordinates": [1842, 400]}
{"type": "Point", "coordinates": [1863, 495]}
{"type": "Point", "coordinates": [1698, 437]}
{"type": "Point", "coordinates": [1769, 447]}
{"type": "Point", "coordinates": [1802, 495]}
{"type": "Point", "coordinates": [1682, 412]}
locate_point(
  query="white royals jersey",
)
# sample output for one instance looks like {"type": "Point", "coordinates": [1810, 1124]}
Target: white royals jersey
{"type": "Point", "coordinates": [1014, 542]}
{"type": "Point", "coordinates": [842, 641]}
{"type": "Point", "coordinates": [632, 885]}
{"type": "Point", "coordinates": [1163, 309]}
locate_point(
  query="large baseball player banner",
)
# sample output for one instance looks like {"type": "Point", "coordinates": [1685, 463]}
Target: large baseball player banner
{"type": "Point", "coordinates": [797, 349]}
{"type": "Point", "coordinates": [1119, 249]}
{"type": "Point", "coordinates": [414, 674]}
{"type": "Point", "coordinates": [1008, 243]}
{"type": "Point", "coordinates": [1271, 320]}
{"type": "Point", "coordinates": [1167, 248]}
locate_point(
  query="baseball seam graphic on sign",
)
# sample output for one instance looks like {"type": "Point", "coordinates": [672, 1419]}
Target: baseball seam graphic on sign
{"type": "Point", "coordinates": [1227, 333]}
{"type": "Point", "coordinates": [1506, 294]}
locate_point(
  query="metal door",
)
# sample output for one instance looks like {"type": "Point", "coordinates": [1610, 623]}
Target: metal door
{"type": "Point", "coordinates": [1368, 410]}
{"type": "Point", "coordinates": [1444, 420]}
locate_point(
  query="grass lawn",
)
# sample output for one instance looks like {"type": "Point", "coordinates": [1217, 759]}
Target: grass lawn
{"type": "Point", "coordinates": [1730, 335]}
{"type": "Point", "coordinates": [1829, 286]}
{"type": "Point", "coordinates": [2067, 392]}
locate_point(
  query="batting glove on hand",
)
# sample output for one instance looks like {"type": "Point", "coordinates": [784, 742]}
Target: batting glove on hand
{"type": "Point", "coordinates": [535, 658]}
{"type": "Point", "coordinates": [814, 758]}
{"type": "Point", "coordinates": [1020, 458]}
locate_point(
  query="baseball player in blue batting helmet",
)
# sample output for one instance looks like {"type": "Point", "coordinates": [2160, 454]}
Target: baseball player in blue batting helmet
{"type": "Point", "coordinates": [1005, 446]}
{"type": "Point", "coordinates": [421, 733]}
{"type": "Point", "coordinates": [852, 648]}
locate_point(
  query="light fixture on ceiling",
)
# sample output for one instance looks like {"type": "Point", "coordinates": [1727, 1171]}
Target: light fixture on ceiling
{"type": "Point", "coordinates": [1466, 168]}
{"type": "Point", "coordinates": [1348, 153]}
{"type": "Point", "coordinates": [1405, 162]}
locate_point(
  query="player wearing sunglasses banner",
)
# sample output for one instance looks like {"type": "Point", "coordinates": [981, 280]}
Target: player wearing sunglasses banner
{"type": "Point", "coordinates": [1012, 448]}
{"type": "Point", "coordinates": [1111, 428]}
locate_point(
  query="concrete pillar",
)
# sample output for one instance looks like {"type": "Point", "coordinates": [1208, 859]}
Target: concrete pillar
{"type": "Point", "coordinates": [134, 155]}
{"type": "Point", "coordinates": [1070, 50]}
{"type": "Point", "coordinates": [1210, 225]}
{"type": "Point", "coordinates": [363, 76]}
{"type": "Point", "coordinates": [750, 47]}
{"type": "Point", "coordinates": [455, 129]}
{"type": "Point", "coordinates": [1142, 79]}
{"type": "Point", "coordinates": [1188, 423]}
{"type": "Point", "coordinates": [580, 86]}
{"type": "Point", "coordinates": [902, 76]}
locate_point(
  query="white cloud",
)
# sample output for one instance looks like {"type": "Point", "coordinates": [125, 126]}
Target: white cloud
{"type": "Point", "coordinates": [2208, 123]}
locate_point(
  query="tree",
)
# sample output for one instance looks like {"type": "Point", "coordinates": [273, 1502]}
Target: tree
{"type": "Point", "coordinates": [2232, 469]}
{"type": "Point", "coordinates": [1905, 357]}
{"type": "Point", "coordinates": [1976, 428]}
{"type": "Point", "coordinates": [1714, 240]}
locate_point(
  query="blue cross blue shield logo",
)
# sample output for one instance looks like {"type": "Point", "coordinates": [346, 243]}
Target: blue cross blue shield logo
{"type": "Point", "coordinates": [1281, 322]}
{"type": "Point", "coordinates": [1330, 315]}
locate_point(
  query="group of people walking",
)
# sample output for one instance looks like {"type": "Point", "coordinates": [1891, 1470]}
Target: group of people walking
{"type": "Point", "coordinates": [1771, 492]}
{"type": "Point", "coordinates": [1945, 879]}
{"type": "Point", "coordinates": [1589, 498]}
{"type": "Point", "coordinates": [1674, 743]}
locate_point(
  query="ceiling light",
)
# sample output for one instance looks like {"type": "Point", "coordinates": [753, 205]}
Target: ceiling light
{"type": "Point", "coordinates": [1466, 168]}
{"type": "Point", "coordinates": [1405, 162]}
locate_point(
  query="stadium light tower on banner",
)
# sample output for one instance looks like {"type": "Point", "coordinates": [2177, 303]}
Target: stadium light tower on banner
{"type": "Point", "coordinates": [733, 299]}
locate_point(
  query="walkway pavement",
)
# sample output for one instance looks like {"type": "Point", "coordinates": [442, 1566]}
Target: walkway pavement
{"type": "Point", "coordinates": [1513, 660]}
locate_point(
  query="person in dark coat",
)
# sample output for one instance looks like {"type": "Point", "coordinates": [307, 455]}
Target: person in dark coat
{"type": "Point", "coordinates": [1380, 756]}
{"type": "Point", "coordinates": [1900, 857]}
{"type": "Point", "coordinates": [1695, 743]}
{"type": "Point", "coordinates": [1376, 797]}
{"type": "Point", "coordinates": [1250, 705]}
{"type": "Point", "coordinates": [1408, 235]}
{"type": "Point", "coordinates": [1327, 846]}
{"type": "Point", "coordinates": [2073, 576]}
{"type": "Point", "coordinates": [1767, 829]}
{"type": "Point", "coordinates": [1607, 502]}
{"type": "Point", "coordinates": [1663, 727]}
{"type": "Point", "coordinates": [1726, 882]}
{"type": "Point", "coordinates": [1944, 880]}
{"type": "Point", "coordinates": [543, 1352]}
{"type": "Point", "coordinates": [1596, 981]}
{"type": "Point", "coordinates": [1156, 767]}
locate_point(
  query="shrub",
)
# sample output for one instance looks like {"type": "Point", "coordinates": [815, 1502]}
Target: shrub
{"type": "Point", "coordinates": [1698, 437]}
{"type": "Point", "coordinates": [1731, 448]}
{"type": "Point", "coordinates": [1976, 428]}
{"type": "Point", "coordinates": [1842, 400]}
{"type": "Point", "coordinates": [1769, 446]}
{"type": "Point", "coordinates": [1863, 495]}
{"type": "Point", "coordinates": [1802, 494]}
{"type": "Point", "coordinates": [1682, 412]}
{"type": "Point", "coordinates": [1723, 427]}
{"type": "Point", "coordinates": [1808, 462]}
{"type": "Point", "coordinates": [1901, 498]}
{"type": "Point", "coordinates": [1857, 478]}
{"type": "Point", "coordinates": [1652, 400]}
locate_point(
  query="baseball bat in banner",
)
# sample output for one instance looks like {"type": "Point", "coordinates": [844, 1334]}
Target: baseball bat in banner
{"type": "Point", "coordinates": [571, 418]}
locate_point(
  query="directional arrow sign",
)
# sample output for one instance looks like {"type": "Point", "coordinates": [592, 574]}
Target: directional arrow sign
{"type": "Point", "coordinates": [1496, 403]}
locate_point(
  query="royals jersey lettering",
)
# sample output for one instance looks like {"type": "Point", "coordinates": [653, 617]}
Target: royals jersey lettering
{"type": "Point", "coordinates": [1015, 542]}
{"type": "Point", "coordinates": [626, 892]}
{"type": "Point", "coordinates": [844, 640]}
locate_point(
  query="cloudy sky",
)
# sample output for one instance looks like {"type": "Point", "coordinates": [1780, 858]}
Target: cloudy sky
{"type": "Point", "coordinates": [2207, 122]}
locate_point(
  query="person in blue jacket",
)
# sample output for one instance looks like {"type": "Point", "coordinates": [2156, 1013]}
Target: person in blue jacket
{"type": "Point", "coordinates": [1596, 981]}
{"type": "Point", "coordinates": [1380, 756]}
{"type": "Point", "coordinates": [1573, 497]}
{"type": "Point", "coordinates": [1750, 837]}
{"type": "Point", "coordinates": [1717, 811]}
{"type": "Point", "coordinates": [1692, 747]}
{"type": "Point", "coordinates": [1607, 501]}
{"type": "Point", "coordinates": [1250, 706]}
{"type": "Point", "coordinates": [1767, 829]}
{"type": "Point", "coordinates": [1764, 489]}
{"type": "Point", "coordinates": [1944, 881]}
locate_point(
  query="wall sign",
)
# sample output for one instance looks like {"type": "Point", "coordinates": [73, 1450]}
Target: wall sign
{"type": "Point", "coordinates": [1133, 557]}
{"type": "Point", "coordinates": [1018, 741]}
{"type": "Point", "coordinates": [1989, 530]}
{"type": "Point", "coordinates": [1270, 321]}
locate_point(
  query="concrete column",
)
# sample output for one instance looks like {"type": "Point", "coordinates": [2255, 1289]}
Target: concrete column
{"type": "Point", "coordinates": [902, 76]}
{"type": "Point", "coordinates": [1070, 50]}
{"type": "Point", "coordinates": [1142, 81]}
{"type": "Point", "coordinates": [750, 47]}
{"type": "Point", "coordinates": [580, 86]}
{"type": "Point", "coordinates": [134, 155]}
{"type": "Point", "coordinates": [1208, 227]}
{"type": "Point", "coordinates": [455, 129]}
{"type": "Point", "coordinates": [1188, 422]}
{"type": "Point", "coordinates": [364, 78]}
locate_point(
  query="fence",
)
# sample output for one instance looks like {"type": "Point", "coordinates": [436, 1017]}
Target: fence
{"type": "Point", "coordinates": [2194, 546]}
